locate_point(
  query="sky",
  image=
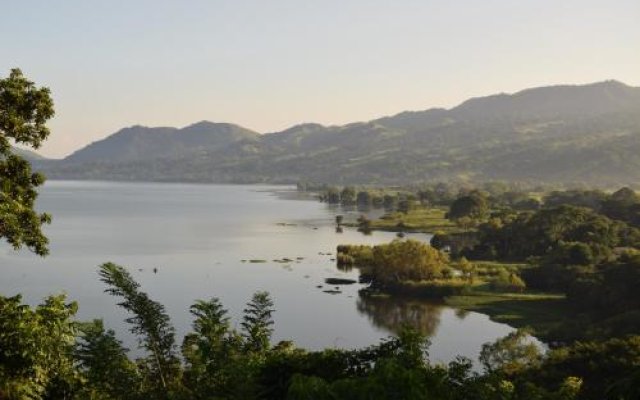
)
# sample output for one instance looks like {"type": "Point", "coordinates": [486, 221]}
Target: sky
{"type": "Point", "coordinates": [268, 65]}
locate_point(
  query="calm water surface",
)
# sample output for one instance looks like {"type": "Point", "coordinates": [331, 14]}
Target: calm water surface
{"type": "Point", "coordinates": [197, 236]}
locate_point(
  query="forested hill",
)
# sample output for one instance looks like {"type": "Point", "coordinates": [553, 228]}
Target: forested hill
{"type": "Point", "coordinates": [566, 134]}
{"type": "Point", "coordinates": [139, 143]}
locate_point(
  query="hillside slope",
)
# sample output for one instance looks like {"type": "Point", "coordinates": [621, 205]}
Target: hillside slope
{"type": "Point", "coordinates": [567, 134]}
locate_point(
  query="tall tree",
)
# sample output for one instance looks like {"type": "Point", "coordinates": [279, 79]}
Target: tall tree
{"type": "Point", "coordinates": [24, 111]}
{"type": "Point", "coordinates": [150, 322]}
{"type": "Point", "coordinates": [211, 351]}
{"type": "Point", "coordinates": [257, 322]}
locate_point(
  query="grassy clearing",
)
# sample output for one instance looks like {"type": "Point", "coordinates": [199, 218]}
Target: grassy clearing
{"type": "Point", "coordinates": [499, 264]}
{"type": "Point", "coordinates": [427, 220]}
{"type": "Point", "coordinates": [540, 312]}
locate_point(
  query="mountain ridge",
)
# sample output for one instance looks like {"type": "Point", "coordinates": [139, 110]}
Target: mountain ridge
{"type": "Point", "coordinates": [536, 134]}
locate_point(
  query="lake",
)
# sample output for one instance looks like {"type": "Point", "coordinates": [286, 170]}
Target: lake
{"type": "Point", "coordinates": [197, 237]}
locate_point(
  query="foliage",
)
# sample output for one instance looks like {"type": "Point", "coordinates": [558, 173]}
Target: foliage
{"type": "Point", "coordinates": [473, 206]}
{"type": "Point", "coordinates": [150, 323]}
{"type": "Point", "coordinates": [396, 262]}
{"type": "Point", "coordinates": [220, 362]}
{"type": "Point", "coordinates": [580, 198]}
{"type": "Point", "coordinates": [348, 196]}
{"type": "Point", "coordinates": [508, 282]}
{"type": "Point", "coordinates": [605, 367]}
{"type": "Point", "coordinates": [106, 370]}
{"type": "Point", "coordinates": [406, 260]}
{"type": "Point", "coordinates": [467, 269]}
{"type": "Point", "coordinates": [208, 348]}
{"type": "Point", "coordinates": [510, 354]}
{"type": "Point", "coordinates": [24, 111]}
{"type": "Point", "coordinates": [36, 346]}
{"type": "Point", "coordinates": [623, 205]}
{"type": "Point", "coordinates": [354, 256]}
{"type": "Point", "coordinates": [257, 321]}
{"type": "Point", "coordinates": [543, 232]}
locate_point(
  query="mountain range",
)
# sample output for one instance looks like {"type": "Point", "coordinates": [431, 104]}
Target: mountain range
{"type": "Point", "coordinates": [566, 134]}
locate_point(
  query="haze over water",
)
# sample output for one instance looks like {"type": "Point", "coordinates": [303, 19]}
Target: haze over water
{"type": "Point", "coordinates": [197, 236]}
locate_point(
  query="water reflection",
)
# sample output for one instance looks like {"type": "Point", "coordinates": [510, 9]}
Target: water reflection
{"type": "Point", "coordinates": [461, 313]}
{"type": "Point", "coordinates": [391, 313]}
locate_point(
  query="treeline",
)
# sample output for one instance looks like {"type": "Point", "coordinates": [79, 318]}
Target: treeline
{"type": "Point", "coordinates": [45, 354]}
{"type": "Point", "coordinates": [390, 198]}
{"type": "Point", "coordinates": [405, 198]}
{"type": "Point", "coordinates": [622, 204]}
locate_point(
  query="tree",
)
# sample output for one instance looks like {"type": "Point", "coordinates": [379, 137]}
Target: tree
{"type": "Point", "coordinates": [407, 202]}
{"type": "Point", "coordinates": [364, 224]}
{"type": "Point", "coordinates": [572, 253]}
{"type": "Point", "coordinates": [150, 322]}
{"type": "Point", "coordinates": [508, 281]}
{"type": "Point", "coordinates": [406, 260]}
{"type": "Point", "coordinates": [348, 196]}
{"type": "Point", "coordinates": [473, 206]}
{"type": "Point", "coordinates": [439, 240]}
{"type": "Point", "coordinates": [622, 205]}
{"type": "Point", "coordinates": [331, 195]}
{"type": "Point", "coordinates": [36, 348]}
{"type": "Point", "coordinates": [606, 367]}
{"type": "Point", "coordinates": [540, 233]}
{"type": "Point", "coordinates": [592, 199]}
{"type": "Point", "coordinates": [468, 269]}
{"type": "Point", "coordinates": [103, 361]}
{"type": "Point", "coordinates": [257, 322]}
{"type": "Point", "coordinates": [24, 110]}
{"type": "Point", "coordinates": [510, 354]}
{"type": "Point", "coordinates": [364, 198]}
{"type": "Point", "coordinates": [211, 351]}
{"type": "Point", "coordinates": [390, 202]}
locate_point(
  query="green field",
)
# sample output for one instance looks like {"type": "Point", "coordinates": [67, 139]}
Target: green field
{"type": "Point", "coordinates": [539, 312]}
{"type": "Point", "coordinates": [428, 220]}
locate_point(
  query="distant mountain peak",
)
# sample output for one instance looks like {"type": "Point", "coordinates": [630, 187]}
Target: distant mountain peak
{"type": "Point", "coordinates": [308, 125]}
{"type": "Point", "coordinates": [305, 127]}
{"type": "Point", "coordinates": [613, 82]}
{"type": "Point", "coordinates": [209, 127]}
{"type": "Point", "coordinates": [594, 98]}
{"type": "Point", "coordinates": [201, 123]}
{"type": "Point", "coordinates": [207, 124]}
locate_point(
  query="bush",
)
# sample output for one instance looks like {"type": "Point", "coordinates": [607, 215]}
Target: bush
{"type": "Point", "coordinates": [508, 282]}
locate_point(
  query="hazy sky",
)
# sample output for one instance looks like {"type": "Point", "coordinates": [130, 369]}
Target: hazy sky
{"type": "Point", "coordinates": [271, 64]}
